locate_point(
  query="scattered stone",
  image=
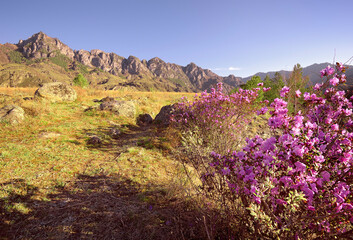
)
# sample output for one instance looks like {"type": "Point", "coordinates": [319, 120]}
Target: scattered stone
{"type": "Point", "coordinates": [49, 135]}
{"type": "Point", "coordinates": [114, 132]}
{"type": "Point", "coordinates": [94, 140]}
{"type": "Point", "coordinates": [163, 117]}
{"type": "Point", "coordinates": [28, 98]}
{"type": "Point", "coordinates": [144, 119]}
{"type": "Point", "coordinates": [113, 123]}
{"type": "Point", "coordinates": [121, 108]}
{"type": "Point", "coordinates": [91, 108]}
{"type": "Point", "coordinates": [56, 92]}
{"type": "Point", "coordinates": [107, 99]}
{"type": "Point", "coordinates": [12, 114]}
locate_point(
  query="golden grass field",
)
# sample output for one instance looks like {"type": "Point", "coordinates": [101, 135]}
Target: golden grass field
{"type": "Point", "coordinates": [61, 187]}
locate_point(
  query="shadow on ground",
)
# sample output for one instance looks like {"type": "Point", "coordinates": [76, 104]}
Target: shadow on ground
{"type": "Point", "coordinates": [97, 207]}
{"type": "Point", "coordinates": [111, 141]}
{"type": "Point", "coordinates": [103, 206]}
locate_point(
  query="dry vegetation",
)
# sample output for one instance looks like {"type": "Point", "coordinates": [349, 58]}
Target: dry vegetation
{"type": "Point", "coordinates": [60, 187]}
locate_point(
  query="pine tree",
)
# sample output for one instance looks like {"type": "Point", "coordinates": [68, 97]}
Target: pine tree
{"type": "Point", "coordinates": [296, 81]}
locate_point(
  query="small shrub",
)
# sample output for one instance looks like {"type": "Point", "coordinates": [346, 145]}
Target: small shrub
{"type": "Point", "coordinates": [216, 120]}
{"type": "Point", "coordinates": [80, 81]}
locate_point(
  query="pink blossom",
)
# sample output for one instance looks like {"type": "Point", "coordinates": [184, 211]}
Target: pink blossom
{"type": "Point", "coordinates": [298, 93]}
{"type": "Point", "coordinates": [300, 166]}
{"type": "Point", "coordinates": [334, 81]}
{"type": "Point", "coordinates": [325, 175]}
{"type": "Point", "coordinates": [335, 127]}
{"type": "Point", "coordinates": [327, 71]}
{"type": "Point", "coordinates": [284, 92]}
{"type": "Point", "coordinates": [311, 208]}
{"type": "Point", "coordinates": [318, 86]}
{"type": "Point", "coordinates": [299, 151]}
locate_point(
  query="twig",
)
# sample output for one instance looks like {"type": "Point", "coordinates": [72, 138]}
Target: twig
{"type": "Point", "coordinates": [204, 222]}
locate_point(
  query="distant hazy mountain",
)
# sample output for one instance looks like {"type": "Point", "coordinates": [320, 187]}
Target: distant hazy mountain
{"type": "Point", "coordinates": [313, 71]}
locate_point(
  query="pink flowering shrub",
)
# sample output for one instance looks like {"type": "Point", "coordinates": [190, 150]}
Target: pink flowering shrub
{"type": "Point", "coordinates": [298, 184]}
{"type": "Point", "coordinates": [214, 121]}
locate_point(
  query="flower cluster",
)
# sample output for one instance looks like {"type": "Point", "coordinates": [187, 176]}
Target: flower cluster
{"type": "Point", "coordinates": [297, 183]}
{"type": "Point", "coordinates": [335, 78]}
{"type": "Point", "coordinates": [216, 115]}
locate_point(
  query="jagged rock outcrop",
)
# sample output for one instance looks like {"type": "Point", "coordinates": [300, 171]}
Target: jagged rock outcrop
{"type": "Point", "coordinates": [134, 66]}
{"type": "Point", "coordinates": [232, 80]}
{"type": "Point", "coordinates": [109, 62]}
{"type": "Point", "coordinates": [166, 70]}
{"type": "Point", "coordinates": [171, 76]}
{"type": "Point", "coordinates": [170, 71]}
{"type": "Point", "coordinates": [41, 46]}
{"type": "Point", "coordinates": [201, 78]}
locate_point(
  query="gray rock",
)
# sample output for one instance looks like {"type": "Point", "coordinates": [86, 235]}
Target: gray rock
{"type": "Point", "coordinates": [114, 132]}
{"type": "Point", "coordinates": [56, 92]}
{"type": "Point", "coordinates": [107, 99]}
{"type": "Point", "coordinates": [49, 135]}
{"type": "Point", "coordinates": [94, 140]}
{"type": "Point", "coordinates": [12, 114]}
{"type": "Point", "coordinates": [164, 116]}
{"type": "Point", "coordinates": [121, 108]}
{"type": "Point", "coordinates": [144, 119]}
{"type": "Point", "coordinates": [27, 98]}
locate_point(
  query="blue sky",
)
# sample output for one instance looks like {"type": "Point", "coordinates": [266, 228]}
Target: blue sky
{"type": "Point", "coordinates": [228, 37]}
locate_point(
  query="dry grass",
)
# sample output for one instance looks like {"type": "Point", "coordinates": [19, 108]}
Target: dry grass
{"type": "Point", "coordinates": [63, 188]}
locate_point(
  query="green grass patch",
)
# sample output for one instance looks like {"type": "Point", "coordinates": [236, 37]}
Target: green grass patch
{"type": "Point", "coordinates": [16, 57]}
{"type": "Point", "coordinates": [61, 60]}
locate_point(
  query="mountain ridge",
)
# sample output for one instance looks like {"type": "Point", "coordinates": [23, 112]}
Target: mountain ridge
{"type": "Point", "coordinates": [190, 78]}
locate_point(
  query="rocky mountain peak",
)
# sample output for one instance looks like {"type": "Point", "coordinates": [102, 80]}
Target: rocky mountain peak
{"type": "Point", "coordinates": [156, 60]}
{"type": "Point", "coordinates": [41, 45]}
{"type": "Point", "coordinates": [233, 80]}
{"type": "Point", "coordinates": [133, 65]}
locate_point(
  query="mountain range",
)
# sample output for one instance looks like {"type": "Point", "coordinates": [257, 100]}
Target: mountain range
{"type": "Point", "coordinates": [312, 71]}
{"type": "Point", "coordinates": [32, 62]}
{"type": "Point", "coordinates": [41, 59]}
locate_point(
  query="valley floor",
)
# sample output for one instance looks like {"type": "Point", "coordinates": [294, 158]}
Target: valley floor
{"type": "Point", "coordinates": [55, 185]}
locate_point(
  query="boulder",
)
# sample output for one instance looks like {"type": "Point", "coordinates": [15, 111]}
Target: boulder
{"type": "Point", "coordinates": [12, 114]}
{"type": "Point", "coordinates": [56, 92]}
{"type": "Point", "coordinates": [121, 108]}
{"type": "Point", "coordinates": [144, 119]}
{"type": "Point", "coordinates": [164, 116]}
